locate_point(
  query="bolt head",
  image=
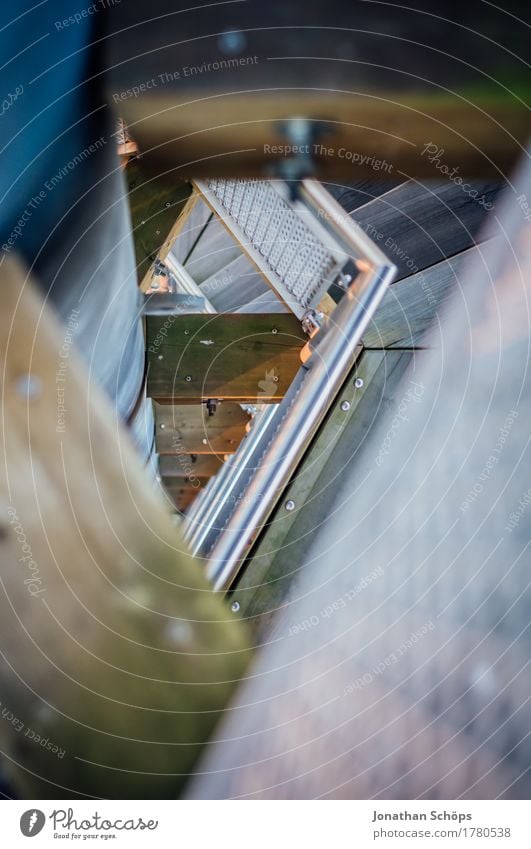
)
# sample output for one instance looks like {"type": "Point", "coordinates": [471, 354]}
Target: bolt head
{"type": "Point", "coordinates": [188, 378]}
{"type": "Point", "coordinates": [160, 357]}
{"type": "Point", "coordinates": [358, 383]}
{"type": "Point", "coordinates": [162, 426]}
{"type": "Point", "coordinates": [274, 330]}
{"type": "Point", "coordinates": [345, 406]}
{"type": "Point", "coordinates": [235, 606]}
{"type": "Point", "coordinates": [289, 505]}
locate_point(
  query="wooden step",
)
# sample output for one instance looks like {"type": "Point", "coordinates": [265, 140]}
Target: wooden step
{"type": "Point", "coordinates": [190, 429]}
{"type": "Point", "coordinates": [242, 357]}
{"type": "Point", "coordinates": [235, 285]}
{"type": "Point", "coordinates": [181, 494]}
{"type": "Point", "coordinates": [188, 467]}
{"type": "Point", "coordinates": [213, 251]}
{"type": "Point", "coordinates": [188, 227]}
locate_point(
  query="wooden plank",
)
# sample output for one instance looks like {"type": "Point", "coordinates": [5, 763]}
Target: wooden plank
{"type": "Point", "coordinates": [191, 430]}
{"type": "Point", "coordinates": [418, 224]}
{"type": "Point", "coordinates": [483, 136]}
{"type": "Point", "coordinates": [155, 204]}
{"type": "Point", "coordinates": [235, 285]}
{"type": "Point", "coordinates": [214, 250]}
{"type": "Point", "coordinates": [185, 466]}
{"type": "Point", "coordinates": [181, 494]}
{"type": "Point", "coordinates": [113, 649]}
{"type": "Point", "coordinates": [350, 196]}
{"type": "Point", "coordinates": [267, 302]}
{"type": "Point", "coordinates": [408, 308]}
{"type": "Point", "coordinates": [244, 358]}
{"type": "Point", "coordinates": [182, 236]}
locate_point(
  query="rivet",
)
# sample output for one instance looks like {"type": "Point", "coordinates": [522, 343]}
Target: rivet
{"type": "Point", "coordinates": [345, 406]}
{"type": "Point", "coordinates": [358, 383]}
{"type": "Point", "coordinates": [235, 606]}
{"type": "Point", "coordinates": [29, 386]}
{"type": "Point", "coordinates": [289, 505]}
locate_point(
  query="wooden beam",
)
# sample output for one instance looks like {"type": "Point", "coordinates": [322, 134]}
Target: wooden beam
{"type": "Point", "coordinates": [191, 430]}
{"type": "Point", "coordinates": [182, 494]}
{"type": "Point", "coordinates": [112, 647]}
{"type": "Point", "coordinates": [185, 466]}
{"type": "Point", "coordinates": [177, 228]}
{"type": "Point", "coordinates": [155, 204]}
{"type": "Point", "coordinates": [244, 357]}
{"type": "Point", "coordinates": [410, 306]}
{"type": "Point", "coordinates": [196, 139]}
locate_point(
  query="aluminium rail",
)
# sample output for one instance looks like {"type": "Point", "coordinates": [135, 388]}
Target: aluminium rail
{"type": "Point", "coordinates": [278, 446]}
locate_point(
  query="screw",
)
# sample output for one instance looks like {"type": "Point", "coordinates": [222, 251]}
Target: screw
{"type": "Point", "coordinates": [186, 332]}
{"type": "Point", "coordinates": [235, 606]}
{"type": "Point", "coordinates": [275, 379]}
{"type": "Point", "coordinates": [188, 378]}
{"type": "Point", "coordinates": [358, 383]}
{"type": "Point", "coordinates": [274, 330]}
{"type": "Point", "coordinates": [160, 357]}
{"type": "Point", "coordinates": [289, 505]}
{"type": "Point", "coordinates": [205, 441]}
{"type": "Point", "coordinates": [29, 386]}
{"type": "Point", "coordinates": [162, 426]}
{"type": "Point", "coordinates": [345, 406]}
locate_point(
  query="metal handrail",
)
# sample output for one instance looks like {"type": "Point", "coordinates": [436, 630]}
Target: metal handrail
{"type": "Point", "coordinates": [332, 354]}
{"type": "Point", "coordinates": [232, 478]}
